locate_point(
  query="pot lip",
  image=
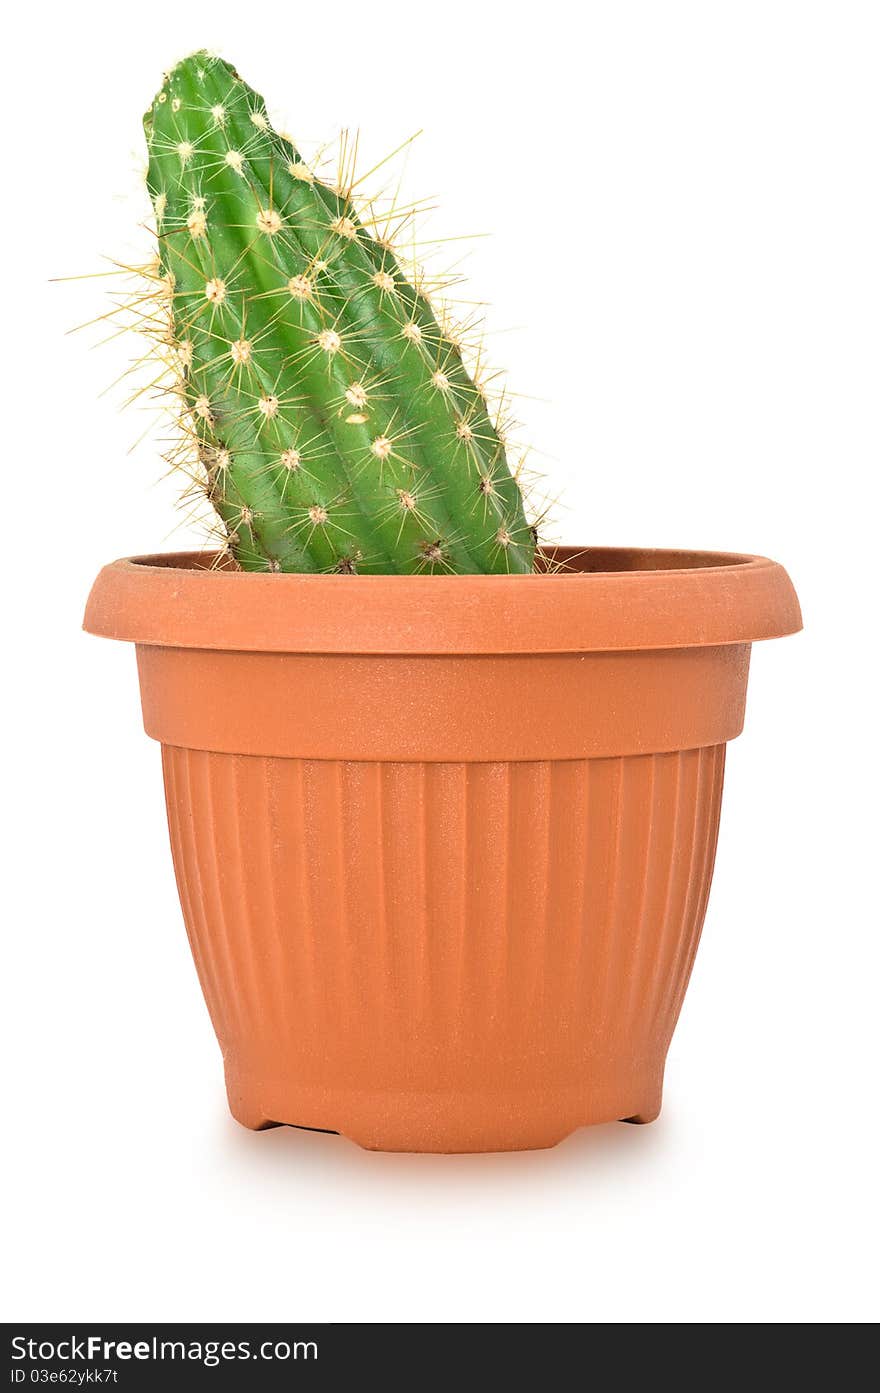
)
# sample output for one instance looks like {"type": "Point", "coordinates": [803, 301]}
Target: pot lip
{"type": "Point", "coordinates": [608, 599]}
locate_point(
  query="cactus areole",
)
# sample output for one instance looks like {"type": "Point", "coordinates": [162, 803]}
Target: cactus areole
{"type": "Point", "coordinates": [336, 423]}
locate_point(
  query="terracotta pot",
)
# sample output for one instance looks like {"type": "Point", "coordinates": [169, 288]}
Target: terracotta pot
{"type": "Point", "coordinates": [444, 844]}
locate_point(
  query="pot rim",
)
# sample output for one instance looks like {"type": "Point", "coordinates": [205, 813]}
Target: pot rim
{"type": "Point", "coordinates": [608, 599]}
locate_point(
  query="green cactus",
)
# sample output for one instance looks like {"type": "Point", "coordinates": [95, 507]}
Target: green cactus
{"type": "Point", "coordinates": [338, 427]}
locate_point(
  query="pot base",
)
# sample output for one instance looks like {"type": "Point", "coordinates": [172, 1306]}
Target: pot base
{"type": "Point", "coordinates": [448, 1123]}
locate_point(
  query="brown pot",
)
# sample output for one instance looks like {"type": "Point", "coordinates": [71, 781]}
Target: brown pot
{"type": "Point", "coordinates": [444, 844]}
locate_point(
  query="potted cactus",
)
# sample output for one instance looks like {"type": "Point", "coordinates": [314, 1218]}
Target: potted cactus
{"type": "Point", "coordinates": [443, 802]}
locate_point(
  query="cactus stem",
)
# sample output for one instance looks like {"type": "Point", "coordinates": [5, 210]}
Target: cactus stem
{"type": "Point", "coordinates": [336, 420]}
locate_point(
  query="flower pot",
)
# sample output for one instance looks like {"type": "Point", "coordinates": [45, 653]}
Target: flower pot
{"type": "Point", "coordinates": [444, 844]}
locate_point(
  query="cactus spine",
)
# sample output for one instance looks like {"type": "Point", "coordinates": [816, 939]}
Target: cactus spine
{"type": "Point", "coordinates": [337, 425]}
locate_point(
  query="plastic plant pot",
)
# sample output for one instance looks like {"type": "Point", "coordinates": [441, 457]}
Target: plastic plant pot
{"type": "Point", "coordinates": [444, 843]}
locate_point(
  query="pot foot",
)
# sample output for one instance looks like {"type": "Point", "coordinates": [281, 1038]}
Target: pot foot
{"type": "Point", "coordinates": [458, 1143]}
{"type": "Point", "coordinates": [258, 1124]}
{"type": "Point", "coordinates": [646, 1115]}
{"type": "Point", "coordinates": [248, 1115]}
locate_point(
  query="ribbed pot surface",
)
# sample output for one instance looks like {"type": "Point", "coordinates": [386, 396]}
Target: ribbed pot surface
{"type": "Point", "coordinates": [444, 956]}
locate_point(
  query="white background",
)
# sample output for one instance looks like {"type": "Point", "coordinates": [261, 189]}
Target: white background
{"type": "Point", "coordinates": [683, 207]}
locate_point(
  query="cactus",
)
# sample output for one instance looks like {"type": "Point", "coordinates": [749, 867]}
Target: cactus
{"type": "Point", "coordinates": [337, 425]}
